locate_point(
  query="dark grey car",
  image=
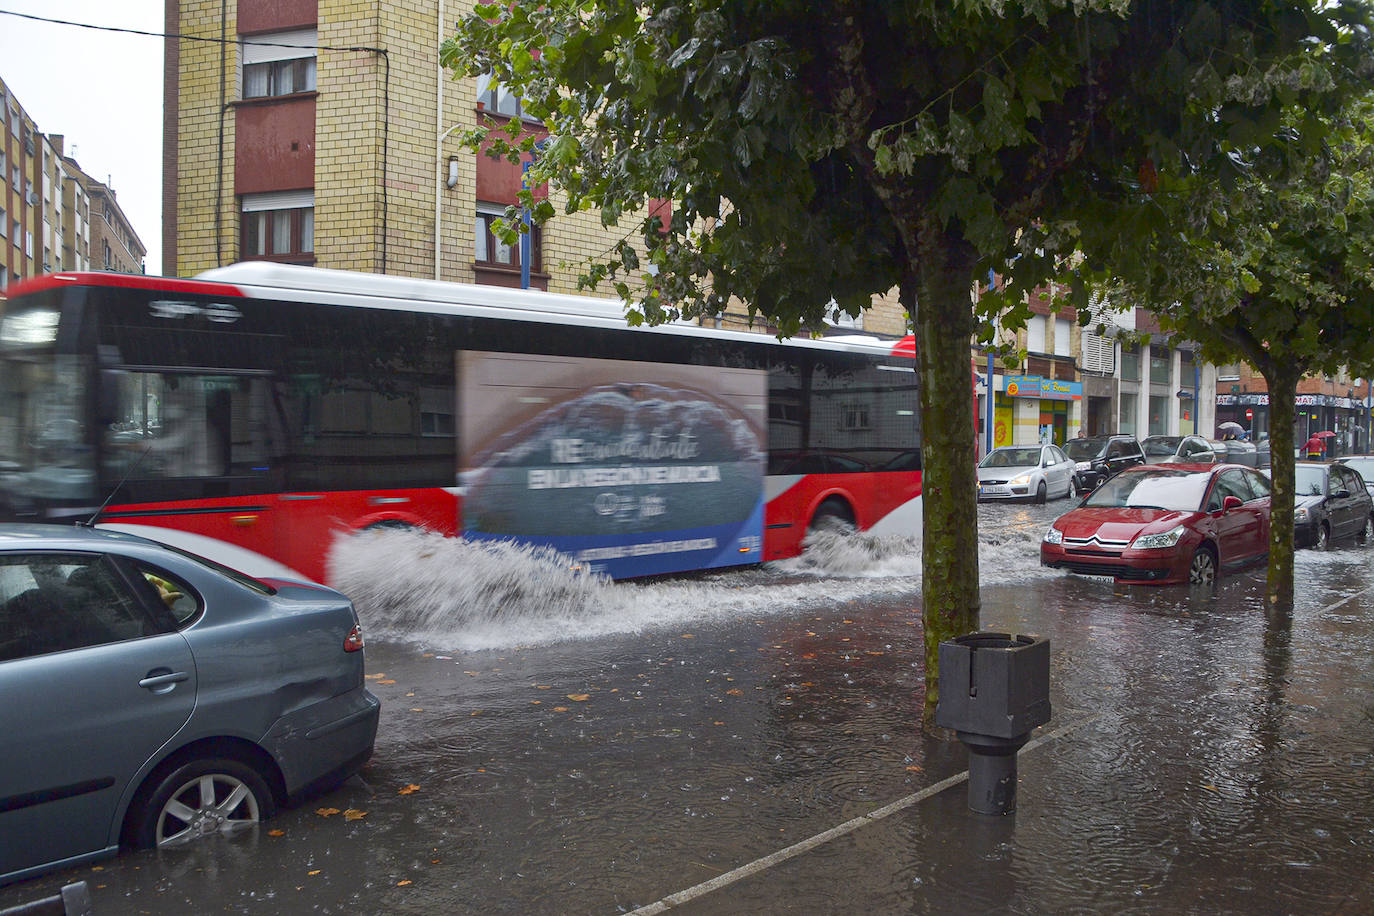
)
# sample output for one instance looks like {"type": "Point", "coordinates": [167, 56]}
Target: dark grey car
{"type": "Point", "coordinates": [151, 697]}
{"type": "Point", "coordinates": [1330, 504]}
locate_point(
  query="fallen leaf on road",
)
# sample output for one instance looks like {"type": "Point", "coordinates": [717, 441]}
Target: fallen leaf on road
{"type": "Point", "coordinates": [373, 677]}
{"type": "Point", "coordinates": [386, 681]}
{"type": "Point", "coordinates": [402, 883]}
{"type": "Point", "coordinates": [734, 692]}
{"type": "Point", "coordinates": [687, 636]}
{"type": "Point", "coordinates": [560, 709]}
{"type": "Point", "coordinates": [326, 812]}
{"type": "Point", "coordinates": [408, 790]}
{"type": "Point", "coordinates": [543, 686]}
{"type": "Point", "coordinates": [913, 769]}
{"type": "Point", "coordinates": [579, 697]}
{"type": "Point", "coordinates": [315, 872]}
{"type": "Point", "coordinates": [478, 712]}
{"type": "Point", "coordinates": [353, 814]}
{"type": "Point", "coordinates": [276, 833]}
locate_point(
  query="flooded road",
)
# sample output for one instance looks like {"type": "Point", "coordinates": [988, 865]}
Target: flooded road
{"type": "Point", "coordinates": [555, 744]}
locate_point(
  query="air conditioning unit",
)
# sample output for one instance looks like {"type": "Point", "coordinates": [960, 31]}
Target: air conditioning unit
{"type": "Point", "coordinates": [32, 198]}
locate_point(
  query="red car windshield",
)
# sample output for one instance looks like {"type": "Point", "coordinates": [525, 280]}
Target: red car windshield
{"type": "Point", "coordinates": [1176, 490]}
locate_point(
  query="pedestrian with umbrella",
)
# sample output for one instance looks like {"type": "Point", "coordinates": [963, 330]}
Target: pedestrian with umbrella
{"type": "Point", "coordinates": [1315, 447]}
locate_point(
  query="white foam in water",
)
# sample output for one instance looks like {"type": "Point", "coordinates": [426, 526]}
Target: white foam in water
{"type": "Point", "coordinates": [452, 594]}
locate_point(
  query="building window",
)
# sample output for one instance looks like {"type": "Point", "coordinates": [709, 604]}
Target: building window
{"type": "Point", "coordinates": [280, 64]}
{"type": "Point", "coordinates": [4, 223]}
{"type": "Point", "coordinates": [1130, 364]}
{"type": "Point", "coordinates": [494, 98]}
{"type": "Point", "coordinates": [279, 226]}
{"type": "Point", "coordinates": [1159, 366]}
{"type": "Point", "coordinates": [490, 251]}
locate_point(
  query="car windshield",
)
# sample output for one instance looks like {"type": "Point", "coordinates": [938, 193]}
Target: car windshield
{"type": "Point", "coordinates": [1011, 458]}
{"type": "Point", "coordinates": [1176, 490]}
{"type": "Point", "coordinates": [1309, 480]}
{"type": "Point", "coordinates": [1156, 446]}
{"type": "Point", "coordinates": [1083, 449]}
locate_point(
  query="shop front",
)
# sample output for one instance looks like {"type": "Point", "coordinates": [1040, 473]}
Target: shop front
{"type": "Point", "coordinates": [1346, 417]}
{"type": "Point", "coordinates": [1032, 408]}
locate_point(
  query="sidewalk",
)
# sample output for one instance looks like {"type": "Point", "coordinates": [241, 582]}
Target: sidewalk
{"type": "Point", "coordinates": [1197, 762]}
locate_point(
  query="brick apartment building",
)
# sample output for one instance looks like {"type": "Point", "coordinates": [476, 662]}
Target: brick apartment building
{"type": "Point", "coordinates": [325, 132]}
{"type": "Point", "coordinates": [53, 216]}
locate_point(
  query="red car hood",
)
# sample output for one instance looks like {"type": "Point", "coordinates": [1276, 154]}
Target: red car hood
{"type": "Point", "coordinates": [1118, 524]}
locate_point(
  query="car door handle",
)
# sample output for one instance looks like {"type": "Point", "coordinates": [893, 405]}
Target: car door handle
{"type": "Point", "coordinates": [154, 681]}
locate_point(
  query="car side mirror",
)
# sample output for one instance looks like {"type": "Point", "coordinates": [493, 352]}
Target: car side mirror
{"type": "Point", "coordinates": [1341, 494]}
{"type": "Point", "coordinates": [1231, 502]}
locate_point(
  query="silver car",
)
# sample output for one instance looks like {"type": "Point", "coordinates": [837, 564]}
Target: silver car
{"type": "Point", "coordinates": [151, 697]}
{"type": "Point", "coordinates": [1035, 472]}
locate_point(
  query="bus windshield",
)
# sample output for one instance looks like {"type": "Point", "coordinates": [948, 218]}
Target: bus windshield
{"type": "Point", "coordinates": [45, 450]}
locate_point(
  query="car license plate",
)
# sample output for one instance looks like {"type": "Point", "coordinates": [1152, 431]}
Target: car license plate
{"type": "Point", "coordinates": [991, 490]}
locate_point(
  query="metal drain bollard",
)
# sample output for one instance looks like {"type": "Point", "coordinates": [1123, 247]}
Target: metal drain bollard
{"type": "Point", "coordinates": [994, 688]}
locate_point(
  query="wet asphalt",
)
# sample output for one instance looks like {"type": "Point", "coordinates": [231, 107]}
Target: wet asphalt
{"type": "Point", "coordinates": [748, 756]}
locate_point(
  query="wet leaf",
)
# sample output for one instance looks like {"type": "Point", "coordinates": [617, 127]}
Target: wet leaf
{"type": "Point", "coordinates": [809, 655]}
{"type": "Point", "coordinates": [411, 694]}
{"type": "Point", "coordinates": [717, 723]}
{"type": "Point", "coordinates": [561, 708]}
{"type": "Point", "coordinates": [373, 677]}
{"type": "Point", "coordinates": [408, 790]}
{"type": "Point", "coordinates": [914, 769]}
{"type": "Point", "coordinates": [353, 814]}
{"type": "Point", "coordinates": [417, 709]}
{"type": "Point", "coordinates": [315, 872]}
{"type": "Point", "coordinates": [387, 681]}
{"type": "Point", "coordinates": [579, 697]}
{"type": "Point", "coordinates": [543, 686]}
{"type": "Point", "coordinates": [734, 692]}
{"type": "Point", "coordinates": [687, 636]}
{"type": "Point", "coordinates": [478, 712]}
{"type": "Point", "coordinates": [536, 702]}
{"type": "Point", "coordinates": [403, 883]}
{"type": "Point", "coordinates": [846, 620]}
{"type": "Point", "coordinates": [470, 673]}
{"type": "Point", "coordinates": [326, 812]}
{"type": "Point", "coordinates": [276, 833]}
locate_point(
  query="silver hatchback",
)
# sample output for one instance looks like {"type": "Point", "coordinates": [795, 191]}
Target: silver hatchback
{"type": "Point", "coordinates": [150, 697]}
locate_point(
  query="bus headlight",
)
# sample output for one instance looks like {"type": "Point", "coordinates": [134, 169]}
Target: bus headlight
{"type": "Point", "coordinates": [1158, 541]}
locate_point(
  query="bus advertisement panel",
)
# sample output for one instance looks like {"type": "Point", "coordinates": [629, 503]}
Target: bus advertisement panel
{"type": "Point", "coordinates": [630, 468]}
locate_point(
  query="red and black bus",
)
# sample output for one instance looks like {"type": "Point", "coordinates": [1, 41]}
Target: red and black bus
{"type": "Point", "coordinates": [259, 411]}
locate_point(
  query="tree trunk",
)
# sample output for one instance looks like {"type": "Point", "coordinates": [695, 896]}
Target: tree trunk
{"type": "Point", "coordinates": [949, 554]}
{"type": "Point", "coordinates": [1283, 391]}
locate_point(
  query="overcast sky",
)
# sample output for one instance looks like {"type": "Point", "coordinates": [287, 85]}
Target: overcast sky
{"type": "Point", "coordinates": [101, 90]}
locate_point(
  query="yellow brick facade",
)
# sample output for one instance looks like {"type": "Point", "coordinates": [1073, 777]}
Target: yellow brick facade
{"type": "Point", "coordinates": [382, 150]}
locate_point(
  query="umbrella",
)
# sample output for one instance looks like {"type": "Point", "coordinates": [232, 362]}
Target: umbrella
{"type": "Point", "coordinates": [1229, 427]}
{"type": "Point", "coordinates": [1324, 434]}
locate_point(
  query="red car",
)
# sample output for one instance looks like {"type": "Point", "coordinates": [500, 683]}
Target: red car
{"type": "Point", "coordinates": [1164, 524]}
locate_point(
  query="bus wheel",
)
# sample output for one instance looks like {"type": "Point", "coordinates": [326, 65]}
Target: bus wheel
{"type": "Point", "coordinates": [832, 514]}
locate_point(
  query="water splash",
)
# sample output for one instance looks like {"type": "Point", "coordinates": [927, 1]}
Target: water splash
{"type": "Point", "coordinates": [453, 594]}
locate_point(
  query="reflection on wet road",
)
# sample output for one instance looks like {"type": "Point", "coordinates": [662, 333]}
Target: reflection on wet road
{"type": "Point", "coordinates": [557, 745]}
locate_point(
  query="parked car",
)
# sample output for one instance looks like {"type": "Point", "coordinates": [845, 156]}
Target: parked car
{"type": "Point", "coordinates": [1176, 449]}
{"type": "Point", "coordinates": [1331, 503]}
{"type": "Point", "coordinates": [1362, 465]}
{"type": "Point", "coordinates": [1165, 523]}
{"type": "Point", "coordinates": [1099, 457]}
{"type": "Point", "coordinates": [153, 698]}
{"type": "Point", "coordinates": [1034, 472]}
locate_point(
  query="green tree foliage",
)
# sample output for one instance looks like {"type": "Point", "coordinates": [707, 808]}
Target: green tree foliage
{"type": "Point", "coordinates": [1273, 267]}
{"type": "Point", "coordinates": [819, 149]}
